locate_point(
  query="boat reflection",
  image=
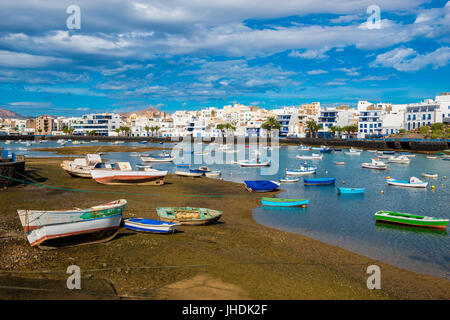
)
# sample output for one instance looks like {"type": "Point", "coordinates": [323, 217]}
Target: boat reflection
{"type": "Point", "coordinates": [411, 229]}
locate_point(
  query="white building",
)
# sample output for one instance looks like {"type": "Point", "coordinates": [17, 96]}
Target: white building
{"type": "Point", "coordinates": [102, 123]}
{"type": "Point", "coordinates": [422, 114]}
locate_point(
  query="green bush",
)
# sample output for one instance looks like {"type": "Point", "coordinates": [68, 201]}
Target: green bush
{"type": "Point", "coordinates": [438, 126]}
{"type": "Point", "coordinates": [424, 129]}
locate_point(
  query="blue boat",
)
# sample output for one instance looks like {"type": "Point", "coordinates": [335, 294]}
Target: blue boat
{"type": "Point", "coordinates": [388, 152]}
{"type": "Point", "coordinates": [278, 202]}
{"type": "Point", "coordinates": [143, 142]}
{"type": "Point", "coordinates": [148, 225]}
{"type": "Point", "coordinates": [325, 150]}
{"type": "Point", "coordinates": [261, 185]}
{"type": "Point", "coordinates": [351, 190]}
{"type": "Point", "coordinates": [319, 181]}
{"type": "Point", "coordinates": [183, 165]}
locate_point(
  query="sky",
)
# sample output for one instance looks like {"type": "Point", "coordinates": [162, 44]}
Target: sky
{"type": "Point", "coordinates": [187, 55]}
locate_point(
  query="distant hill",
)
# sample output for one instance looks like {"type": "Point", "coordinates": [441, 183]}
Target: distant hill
{"type": "Point", "coordinates": [10, 114]}
{"type": "Point", "coordinates": [150, 112]}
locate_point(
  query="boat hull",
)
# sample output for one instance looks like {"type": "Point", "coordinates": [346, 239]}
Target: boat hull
{"type": "Point", "coordinates": [284, 202]}
{"type": "Point", "coordinates": [351, 190]}
{"type": "Point", "coordinates": [189, 216]}
{"type": "Point", "coordinates": [400, 183]}
{"type": "Point", "coordinates": [318, 181]}
{"type": "Point", "coordinates": [412, 220]}
{"type": "Point", "coordinates": [117, 177]}
{"type": "Point", "coordinates": [150, 226]}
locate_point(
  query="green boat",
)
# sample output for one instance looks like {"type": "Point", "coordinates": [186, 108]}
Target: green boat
{"type": "Point", "coordinates": [188, 215]}
{"type": "Point", "coordinates": [410, 219]}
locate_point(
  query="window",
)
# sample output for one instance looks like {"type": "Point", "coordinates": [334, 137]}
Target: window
{"type": "Point", "coordinates": [429, 116]}
{"type": "Point", "coordinates": [414, 117]}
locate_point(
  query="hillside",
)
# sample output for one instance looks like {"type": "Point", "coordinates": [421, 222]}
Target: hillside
{"type": "Point", "coordinates": [10, 114]}
{"type": "Point", "coordinates": [150, 112]}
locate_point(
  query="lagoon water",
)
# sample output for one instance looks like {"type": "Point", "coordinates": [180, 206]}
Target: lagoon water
{"type": "Point", "coordinates": [346, 221]}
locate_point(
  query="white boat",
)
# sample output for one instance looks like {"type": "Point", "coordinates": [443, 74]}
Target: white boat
{"type": "Point", "coordinates": [289, 180]}
{"type": "Point", "coordinates": [153, 226]}
{"type": "Point", "coordinates": [188, 173]}
{"type": "Point", "coordinates": [134, 154]}
{"type": "Point", "coordinates": [124, 175]}
{"type": "Point", "coordinates": [375, 164]}
{"type": "Point", "coordinates": [81, 167]}
{"type": "Point", "coordinates": [400, 159]}
{"type": "Point", "coordinates": [304, 148]}
{"type": "Point", "coordinates": [412, 183]}
{"type": "Point", "coordinates": [339, 163]}
{"type": "Point", "coordinates": [151, 159]}
{"type": "Point", "coordinates": [254, 163]}
{"type": "Point", "coordinates": [353, 152]}
{"type": "Point", "coordinates": [314, 156]}
{"type": "Point", "coordinates": [213, 174]}
{"type": "Point", "coordinates": [431, 157]}
{"type": "Point", "coordinates": [303, 170]}
{"type": "Point", "coordinates": [430, 175]}
{"type": "Point", "coordinates": [371, 150]}
{"type": "Point", "coordinates": [316, 148]}
{"type": "Point", "coordinates": [76, 142]}
{"type": "Point", "coordinates": [384, 156]}
{"type": "Point", "coordinates": [46, 227]}
{"type": "Point", "coordinates": [8, 142]}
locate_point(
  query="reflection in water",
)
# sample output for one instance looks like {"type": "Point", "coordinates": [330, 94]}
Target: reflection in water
{"type": "Point", "coordinates": [413, 229]}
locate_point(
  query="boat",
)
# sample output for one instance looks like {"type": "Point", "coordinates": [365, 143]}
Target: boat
{"type": "Point", "coordinates": [213, 174]}
{"type": "Point", "coordinates": [152, 226]}
{"type": "Point", "coordinates": [319, 181]}
{"type": "Point", "coordinates": [66, 227]}
{"type": "Point", "coordinates": [407, 154]}
{"type": "Point", "coordinates": [325, 149]}
{"type": "Point", "coordinates": [254, 163]}
{"type": "Point", "coordinates": [261, 185]}
{"type": "Point", "coordinates": [445, 157]}
{"type": "Point", "coordinates": [134, 154]}
{"type": "Point", "coordinates": [375, 164]}
{"type": "Point", "coordinates": [372, 151]}
{"type": "Point", "coordinates": [164, 154]}
{"type": "Point", "coordinates": [279, 202]}
{"type": "Point", "coordinates": [400, 159]}
{"type": "Point", "coordinates": [302, 171]}
{"type": "Point", "coordinates": [316, 148]}
{"type": "Point", "coordinates": [142, 142]}
{"type": "Point", "coordinates": [152, 159]}
{"type": "Point", "coordinates": [353, 152]}
{"type": "Point", "coordinates": [430, 175]}
{"type": "Point", "coordinates": [143, 166]}
{"type": "Point", "coordinates": [188, 215]}
{"type": "Point", "coordinates": [188, 173]}
{"type": "Point", "coordinates": [431, 157]}
{"type": "Point", "coordinates": [289, 180]}
{"type": "Point", "coordinates": [122, 174]}
{"type": "Point", "coordinates": [81, 167]}
{"type": "Point", "coordinates": [314, 156]}
{"type": "Point", "coordinates": [412, 183]}
{"type": "Point", "coordinates": [337, 149]}
{"type": "Point", "coordinates": [351, 190]}
{"type": "Point", "coordinates": [183, 165]}
{"type": "Point", "coordinates": [8, 142]}
{"type": "Point", "coordinates": [339, 163]}
{"type": "Point", "coordinates": [410, 219]}
{"type": "Point", "coordinates": [304, 148]}
{"type": "Point", "coordinates": [388, 152]}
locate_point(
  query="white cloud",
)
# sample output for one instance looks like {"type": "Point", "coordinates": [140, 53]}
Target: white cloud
{"type": "Point", "coordinates": [25, 60]}
{"type": "Point", "coordinates": [316, 72]}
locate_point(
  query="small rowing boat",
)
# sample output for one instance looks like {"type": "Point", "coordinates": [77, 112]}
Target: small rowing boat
{"type": "Point", "coordinates": [431, 157]}
{"type": "Point", "coordinates": [388, 152]}
{"type": "Point", "coordinates": [122, 174]}
{"type": "Point", "coordinates": [314, 156]}
{"type": "Point", "coordinates": [351, 190]}
{"type": "Point", "coordinates": [375, 164]}
{"type": "Point", "coordinates": [188, 215]}
{"type": "Point", "coordinates": [339, 163]}
{"type": "Point", "coordinates": [302, 171]}
{"type": "Point", "coordinates": [279, 202]}
{"type": "Point", "coordinates": [252, 163]}
{"type": "Point", "coordinates": [289, 180]}
{"type": "Point", "coordinates": [213, 174]}
{"type": "Point", "coordinates": [353, 152]}
{"type": "Point", "coordinates": [400, 159]}
{"type": "Point", "coordinates": [430, 175]}
{"type": "Point", "coordinates": [410, 219]}
{"type": "Point", "coordinates": [412, 183]}
{"type": "Point", "coordinates": [261, 185]}
{"type": "Point", "coordinates": [152, 226]}
{"type": "Point", "coordinates": [319, 181]}
{"type": "Point", "coordinates": [143, 166]}
{"type": "Point", "coordinates": [188, 173]}
{"type": "Point", "coordinates": [162, 159]}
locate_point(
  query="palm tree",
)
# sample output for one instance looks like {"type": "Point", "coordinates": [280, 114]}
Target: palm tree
{"type": "Point", "coordinates": [313, 128]}
{"type": "Point", "coordinates": [147, 129]}
{"type": "Point", "coordinates": [220, 127]}
{"type": "Point", "coordinates": [334, 129]}
{"type": "Point", "coordinates": [352, 129]}
{"type": "Point", "coordinates": [127, 130]}
{"type": "Point", "coordinates": [157, 129]}
{"type": "Point", "coordinates": [152, 129]}
{"type": "Point", "coordinates": [118, 130]}
{"type": "Point", "coordinates": [270, 124]}
{"type": "Point", "coordinates": [229, 126]}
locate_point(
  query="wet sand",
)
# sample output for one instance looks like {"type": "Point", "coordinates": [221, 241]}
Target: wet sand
{"type": "Point", "coordinates": [83, 150]}
{"type": "Point", "coordinates": [235, 258]}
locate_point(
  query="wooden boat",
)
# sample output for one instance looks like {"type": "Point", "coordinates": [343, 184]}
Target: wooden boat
{"type": "Point", "coordinates": [314, 156]}
{"type": "Point", "coordinates": [252, 163]}
{"type": "Point", "coordinates": [375, 164]}
{"type": "Point", "coordinates": [81, 167]}
{"type": "Point", "coordinates": [400, 159]}
{"type": "Point", "coordinates": [56, 228]}
{"type": "Point", "coordinates": [152, 226]}
{"type": "Point", "coordinates": [319, 181]}
{"type": "Point", "coordinates": [412, 183]}
{"type": "Point", "coordinates": [279, 202]}
{"type": "Point", "coordinates": [261, 185]}
{"type": "Point", "coordinates": [339, 163]}
{"type": "Point", "coordinates": [188, 215]}
{"type": "Point", "coordinates": [289, 180]}
{"type": "Point", "coordinates": [188, 174]}
{"type": "Point", "coordinates": [123, 175]}
{"type": "Point", "coordinates": [213, 174]}
{"type": "Point", "coordinates": [302, 171]}
{"type": "Point", "coordinates": [410, 219]}
{"type": "Point", "coordinates": [152, 159]}
{"type": "Point", "coordinates": [351, 190]}
{"type": "Point", "coordinates": [430, 175]}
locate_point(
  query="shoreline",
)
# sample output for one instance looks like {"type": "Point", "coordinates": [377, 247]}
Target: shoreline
{"type": "Point", "coordinates": [253, 261]}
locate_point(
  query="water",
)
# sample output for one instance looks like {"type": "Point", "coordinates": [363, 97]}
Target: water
{"type": "Point", "coordinates": [346, 221]}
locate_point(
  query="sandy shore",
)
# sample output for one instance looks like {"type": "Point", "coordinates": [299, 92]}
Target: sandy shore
{"type": "Point", "coordinates": [233, 259]}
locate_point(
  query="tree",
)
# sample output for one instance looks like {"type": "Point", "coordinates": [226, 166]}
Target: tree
{"type": "Point", "coordinates": [118, 130]}
{"type": "Point", "coordinates": [220, 127]}
{"type": "Point", "coordinates": [313, 128]}
{"type": "Point", "coordinates": [270, 124]}
{"type": "Point", "coordinates": [152, 129]}
{"type": "Point", "coordinates": [157, 129]}
{"type": "Point", "coordinates": [334, 129]}
{"type": "Point", "coordinates": [352, 129]}
{"type": "Point", "coordinates": [147, 129]}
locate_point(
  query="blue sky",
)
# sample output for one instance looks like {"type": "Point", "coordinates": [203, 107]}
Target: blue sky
{"type": "Point", "coordinates": [173, 54]}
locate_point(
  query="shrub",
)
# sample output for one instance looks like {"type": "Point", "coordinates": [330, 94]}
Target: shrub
{"type": "Point", "coordinates": [438, 126]}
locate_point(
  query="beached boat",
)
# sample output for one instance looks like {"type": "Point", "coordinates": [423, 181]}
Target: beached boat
{"type": "Point", "coordinates": [412, 183]}
{"type": "Point", "coordinates": [261, 185]}
{"type": "Point", "coordinates": [55, 228]}
{"type": "Point", "coordinates": [351, 190]}
{"type": "Point", "coordinates": [289, 180]}
{"type": "Point", "coordinates": [400, 159]}
{"type": "Point", "coordinates": [254, 163]}
{"type": "Point", "coordinates": [314, 156]}
{"type": "Point", "coordinates": [375, 164]}
{"type": "Point", "coordinates": [353, 152]}
{"type": "Point", "coordinates": [152, 226]}
{"type": "Point", "coordinates": [213, 174]}
{"type": "Point", "coordinates": [319, 181]}
{"type": "Point", "coordinates": [279, 202]}
{"type": "Point", "coordinates": [302, 171]}
{"type": "Point", "coordinates": [339, 163]}
{"type": "Point", "coordinates": [188, 174]}
{"type": "Point", "coordinates": [430, 175]}
{"type": "Point", "coordinates": [81, 167]}
{"type": "Point", "coordinates": [410, 219]}
{"type": "Point", "coordinates": [152, 159]}
{"type": "Point", "coordinates": [122, 174]}
{"type": "Point", "coordinates": [188, 215]}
